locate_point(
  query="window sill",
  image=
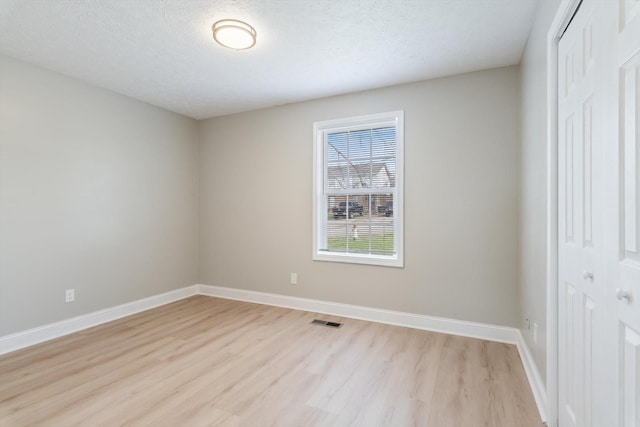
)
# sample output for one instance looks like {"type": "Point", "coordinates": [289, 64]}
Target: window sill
{"type": "Point", "coordinates": [360, 259]}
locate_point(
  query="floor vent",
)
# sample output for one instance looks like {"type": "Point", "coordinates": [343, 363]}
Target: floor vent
{"type": "Point", "coordinates": [325, 323]}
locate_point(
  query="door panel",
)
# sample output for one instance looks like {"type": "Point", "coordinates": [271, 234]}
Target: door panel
{"type": "Point", "coordinates": [630, 377]}
{"type": "Point", "coordinates": [630, 87]}
{"type": "Point", "coordinates": [571, 345]}
{"type": "Point", "coordinates": [580, 191]}
{"type": "Point", "coordinates": [587, 150]}
{"type": "Point", "coordinates": [588, 368]}
{"type": "Point", "coordinates": [625, 284]}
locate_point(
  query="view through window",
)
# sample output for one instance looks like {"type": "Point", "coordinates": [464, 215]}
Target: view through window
{"type": "Point", "coordinates": [358, 199]}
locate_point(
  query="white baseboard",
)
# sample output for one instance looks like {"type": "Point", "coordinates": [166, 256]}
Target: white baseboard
{"type": "Point", "coordinates": [418, 321]}
{"type": "Point", "coordinates": [533, 375]}
{"type": "Point", "coordinates": [9, 343]}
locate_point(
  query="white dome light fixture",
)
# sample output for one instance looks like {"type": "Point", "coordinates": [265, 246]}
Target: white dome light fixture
{"type": "Point", "coordinates": [234, 34]}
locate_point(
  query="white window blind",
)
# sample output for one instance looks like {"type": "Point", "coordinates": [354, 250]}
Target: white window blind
{"type": "Point", "coordinates": [358, 185]}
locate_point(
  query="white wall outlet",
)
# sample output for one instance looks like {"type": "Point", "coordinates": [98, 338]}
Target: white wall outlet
{"type": "Point", "coordinates": [535, 332]}
{"type": "Point", "coordinates": [70, 295]}
{"type": "Point", "coordinates": [294, 278]}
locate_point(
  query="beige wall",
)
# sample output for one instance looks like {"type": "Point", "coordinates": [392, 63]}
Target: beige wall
{"type": "Point", "coordinates": [98, 192]}
{"type": "Point", "coordinates": [101, 193]}
{"type": "Point", "coordinates": [461, 201]}
{"type": "Point", "coordinates": [533, 221]}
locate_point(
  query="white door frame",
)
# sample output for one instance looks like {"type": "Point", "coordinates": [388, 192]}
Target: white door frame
{"type": "Point", "coordinates": [563, 15]}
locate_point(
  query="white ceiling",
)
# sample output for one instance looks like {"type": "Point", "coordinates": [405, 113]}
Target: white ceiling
{"type": "Point", "coordinates": [162, 51]}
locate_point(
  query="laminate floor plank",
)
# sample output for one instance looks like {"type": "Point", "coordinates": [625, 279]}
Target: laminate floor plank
{"type": "Point", "coordinates": [206, 361]}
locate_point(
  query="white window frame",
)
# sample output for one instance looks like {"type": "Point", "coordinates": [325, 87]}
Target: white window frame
{"type": "Point", "coordinates": [320, 130]}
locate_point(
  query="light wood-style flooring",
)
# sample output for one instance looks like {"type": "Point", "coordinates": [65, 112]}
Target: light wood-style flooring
{"type": "Point", "coordinates": [206, 361]}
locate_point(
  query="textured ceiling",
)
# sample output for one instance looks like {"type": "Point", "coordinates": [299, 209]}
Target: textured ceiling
{"type": "Point", "coordinates": [162, 52]}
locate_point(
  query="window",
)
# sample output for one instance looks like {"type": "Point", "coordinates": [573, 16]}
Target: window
{"type": "Point", "coordinates": [358, 174]}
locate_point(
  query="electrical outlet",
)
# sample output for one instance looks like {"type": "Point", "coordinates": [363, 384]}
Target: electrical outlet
{"type": "Point", "coordinates": [294, 278]}
{"type": "Point", "coordinates": [535, 332]}
{"type": "Point", "coordinates": [70, 295]}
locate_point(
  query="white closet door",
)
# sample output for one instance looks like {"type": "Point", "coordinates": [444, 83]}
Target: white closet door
{"type": "Point", "coordinates": [581, 281]}
{"type": "Point", "coordinates": [599, 216]}
{"type": "Point", "coordinates": [624, 260]}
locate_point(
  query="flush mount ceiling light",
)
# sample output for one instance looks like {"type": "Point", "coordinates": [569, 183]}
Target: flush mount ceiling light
{"type": "Point", "coordinates": [234, 34]}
